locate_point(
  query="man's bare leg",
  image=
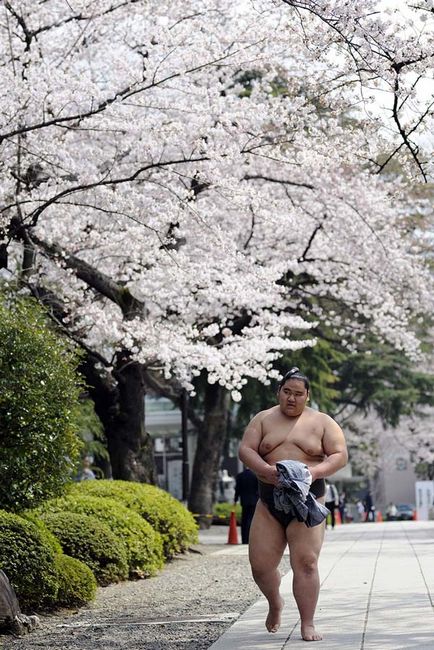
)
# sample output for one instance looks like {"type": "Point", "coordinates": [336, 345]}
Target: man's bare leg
{"type": "Point", "coordinates": [267, 543]}
{"type": "Point", "coordinates": [304, 548]}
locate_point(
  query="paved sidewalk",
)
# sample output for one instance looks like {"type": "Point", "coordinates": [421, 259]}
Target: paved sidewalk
{"type": "Point", "coordinates": [377, 593]}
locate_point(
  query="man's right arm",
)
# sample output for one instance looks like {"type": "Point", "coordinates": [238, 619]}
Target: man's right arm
{"type": "Point", "coordinates": [249, 452]}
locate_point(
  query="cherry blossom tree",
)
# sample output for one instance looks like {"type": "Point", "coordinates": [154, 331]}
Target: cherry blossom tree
{"type": "Point", "coordinates": [193, 187]}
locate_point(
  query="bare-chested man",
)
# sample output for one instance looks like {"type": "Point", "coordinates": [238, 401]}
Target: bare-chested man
{"type": "Point", "coordinates": [290, 431]}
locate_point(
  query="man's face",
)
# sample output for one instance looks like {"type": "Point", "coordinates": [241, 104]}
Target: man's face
{"type": "Point", "coordinates": [293, 397]}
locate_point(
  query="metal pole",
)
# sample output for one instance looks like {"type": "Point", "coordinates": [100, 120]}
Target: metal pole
{"type": "Point", "coordinates": [185, 459]}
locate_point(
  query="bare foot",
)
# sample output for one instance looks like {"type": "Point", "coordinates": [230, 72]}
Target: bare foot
{"type": "Point", "coordinates": [308, 632]}
{"type": "Point", "coordinates": [274, 614]}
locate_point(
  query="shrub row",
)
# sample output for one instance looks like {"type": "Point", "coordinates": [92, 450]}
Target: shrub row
{"type": "Point", "coordinates": [140, 543]}
{"type": "Point", "coordinates": [166, 515]}
{"type": "Point", "coordinates": [100, 532]}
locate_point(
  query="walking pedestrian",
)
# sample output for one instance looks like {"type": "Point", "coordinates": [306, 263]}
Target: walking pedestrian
{"type": "Point", "coordinates": [331, 501]}
{"type": "Point", "coordinates": [290, 431]}
{"type": "Point", "coordinates": [361, 510]}
{"type": "Point", "coordinates": [86, 472]}
{"type": "Point", "coordinates": [369, 507]}
{"type": "Point", "coordinates": [246, 490]}
{"type": "Point", "coordinates": [391, 512]}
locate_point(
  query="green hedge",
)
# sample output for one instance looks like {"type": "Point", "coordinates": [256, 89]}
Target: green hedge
{"type": "Point", "coordinates": [144, 545]}
{"type": "Point", "coordinates": [77, 584]}
{"type": "Point", "coordinates": [39, 391]}
{"type": "Point", "coordinates": [47, 535]}
{"type": "Point", "coordinates": [166, 514]}
{"type": "Point", "coordinates": [222, 513]}
{"type": "Point", "coordinates": [91, 541]}
{"type": "Point", "coordinates": [28, 559]}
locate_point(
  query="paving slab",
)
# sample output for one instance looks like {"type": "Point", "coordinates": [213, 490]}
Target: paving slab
{"type": "Point", "coordinates": [377, 593]}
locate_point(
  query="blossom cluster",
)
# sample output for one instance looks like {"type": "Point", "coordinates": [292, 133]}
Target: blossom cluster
{"type": "Point", "coordinates": [198, 184]}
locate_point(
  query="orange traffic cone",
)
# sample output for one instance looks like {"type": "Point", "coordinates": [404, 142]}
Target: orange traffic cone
{"type": "Point", "coordinates": [338, 519]}
{"type": "Point", "coordinates": [233, 533]}
{"type": "Point", "coordinates": [379, 516]}
{"type": "Point", "coordinates": [415, 515]}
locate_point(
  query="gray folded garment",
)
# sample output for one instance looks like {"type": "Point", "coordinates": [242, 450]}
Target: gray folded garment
{"type": "Point", "coordinates": [292, 493]}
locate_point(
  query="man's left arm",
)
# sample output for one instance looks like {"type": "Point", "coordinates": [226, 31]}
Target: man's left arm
{"type": "Point", "coordinates": [335, 449]}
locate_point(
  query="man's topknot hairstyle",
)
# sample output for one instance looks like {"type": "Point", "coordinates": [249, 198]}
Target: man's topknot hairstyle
{"type": "Point", "coordinates": [294, 373]}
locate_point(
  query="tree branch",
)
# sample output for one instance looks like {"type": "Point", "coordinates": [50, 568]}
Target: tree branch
{"type": "Point", "coordinates": [102, 183]}
{"type": "Point", "coordinates": [130, 306]}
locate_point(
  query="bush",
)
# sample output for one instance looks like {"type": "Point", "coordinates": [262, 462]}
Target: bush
{"type": "Point", "coordinates": [77, 584]}
{"type": "Point", "coordinates": [144, 545]}
{"type": "Point", "coordinates": [38, 395]}
{"type": "Point", "coordinates": [222, 513]}
{"type": "Point", "coordinates": [91, 541]}
{"type": "Point", "coordinates": [48, 537]}
{"type": "Point", "coordinates": [28, 560]}
{"type": "Point", "coordinates": [165, 513]}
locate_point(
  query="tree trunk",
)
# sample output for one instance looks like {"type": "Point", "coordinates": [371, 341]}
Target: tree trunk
{"type": "Point", "coordinates": [210, 441]}
{"type": "Point", "coordinates": [121, 409]}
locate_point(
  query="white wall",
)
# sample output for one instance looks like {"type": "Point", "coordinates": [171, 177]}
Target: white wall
{"type": "Point", "coordinates": [396, 479]}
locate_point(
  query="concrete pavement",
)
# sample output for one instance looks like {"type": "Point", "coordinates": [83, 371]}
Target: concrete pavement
{"type": "Point", "coordinates": [377, 592]}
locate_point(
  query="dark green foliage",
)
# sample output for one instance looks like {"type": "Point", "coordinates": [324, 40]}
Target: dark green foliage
{"type": "Point", "coordinates": [45, 532]}
{"type": "Point", "coordinates": [425, 471]}
{"type": "Point", "coordinates": [384, 379]}
{"type": "Point", "coordinates": [28, 560]}
{"type": "Point", "coordinates": [91, 541]}
{"type": "Point", "coordinates": [165, 513]}
{"type": "Point", "coordinates": [38, 398]}
{"type": "Point", "coordinates": [143, 544]}
{"type": "Point", "coordinates": [77, 584]}
{"type": "Point", "coordinates": [91, 431]}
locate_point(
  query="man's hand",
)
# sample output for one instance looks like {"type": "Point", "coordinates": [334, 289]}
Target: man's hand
{"type": "Point", "coordinates": [268, 474]}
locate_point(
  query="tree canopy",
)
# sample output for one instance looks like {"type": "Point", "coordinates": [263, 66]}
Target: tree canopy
{"type": "Point", "coordinates": [187, 221]}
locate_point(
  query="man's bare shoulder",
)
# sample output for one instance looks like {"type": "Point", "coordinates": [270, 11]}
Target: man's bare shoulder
{"type": "Point", "coordinates": [262, 415]}
{"type": "Point", "coordinates": [319, 416]}
{"type": "Point", "coordinates": [259, 418]}
{"type": "Point", "coordinates": [326, 421]}
{"type": "Point", "coordinates": [316, 414]}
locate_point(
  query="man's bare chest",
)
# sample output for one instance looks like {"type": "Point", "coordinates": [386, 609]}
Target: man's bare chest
{"type": "Point", "coordinates": [302, 435]}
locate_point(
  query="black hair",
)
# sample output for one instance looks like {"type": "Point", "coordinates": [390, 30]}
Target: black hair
{"type": "Point", "coordinates": [294, 373]}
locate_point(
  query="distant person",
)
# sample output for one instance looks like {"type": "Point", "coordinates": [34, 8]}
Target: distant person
{"type": "Point", "coordinates": [331, 501]}
{"type": "Point", "coordinates": [369, 508]}
{"type": "Point", "coordinates": [246, 490]}
{"type": "Point", "coordinates": [226, 484]}
{"type": "Point", "coordinates": [86, 473]}
{"type": "Point", "coordinates": [360, 510]}
{"type": "Point", "coordinates": [391, 512]}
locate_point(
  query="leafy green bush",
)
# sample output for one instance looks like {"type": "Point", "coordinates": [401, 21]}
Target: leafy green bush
{"type": "Point", "coordinates": [38, 396]}
{"type": "Point", "coordinates": [77, 584]}
{"type": "Point", "coordinates": [45, 532]}
{"type": "Point", "coordinates": [222, 513]}
{"type": "Point", "coordinates": [144, 545]}
{"type": "Point", "coordinates": [91, 541]}
{"type": "Point", "coordinates": [165, 513]}
{"type": "Point", "coordinates": [28, 560]}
